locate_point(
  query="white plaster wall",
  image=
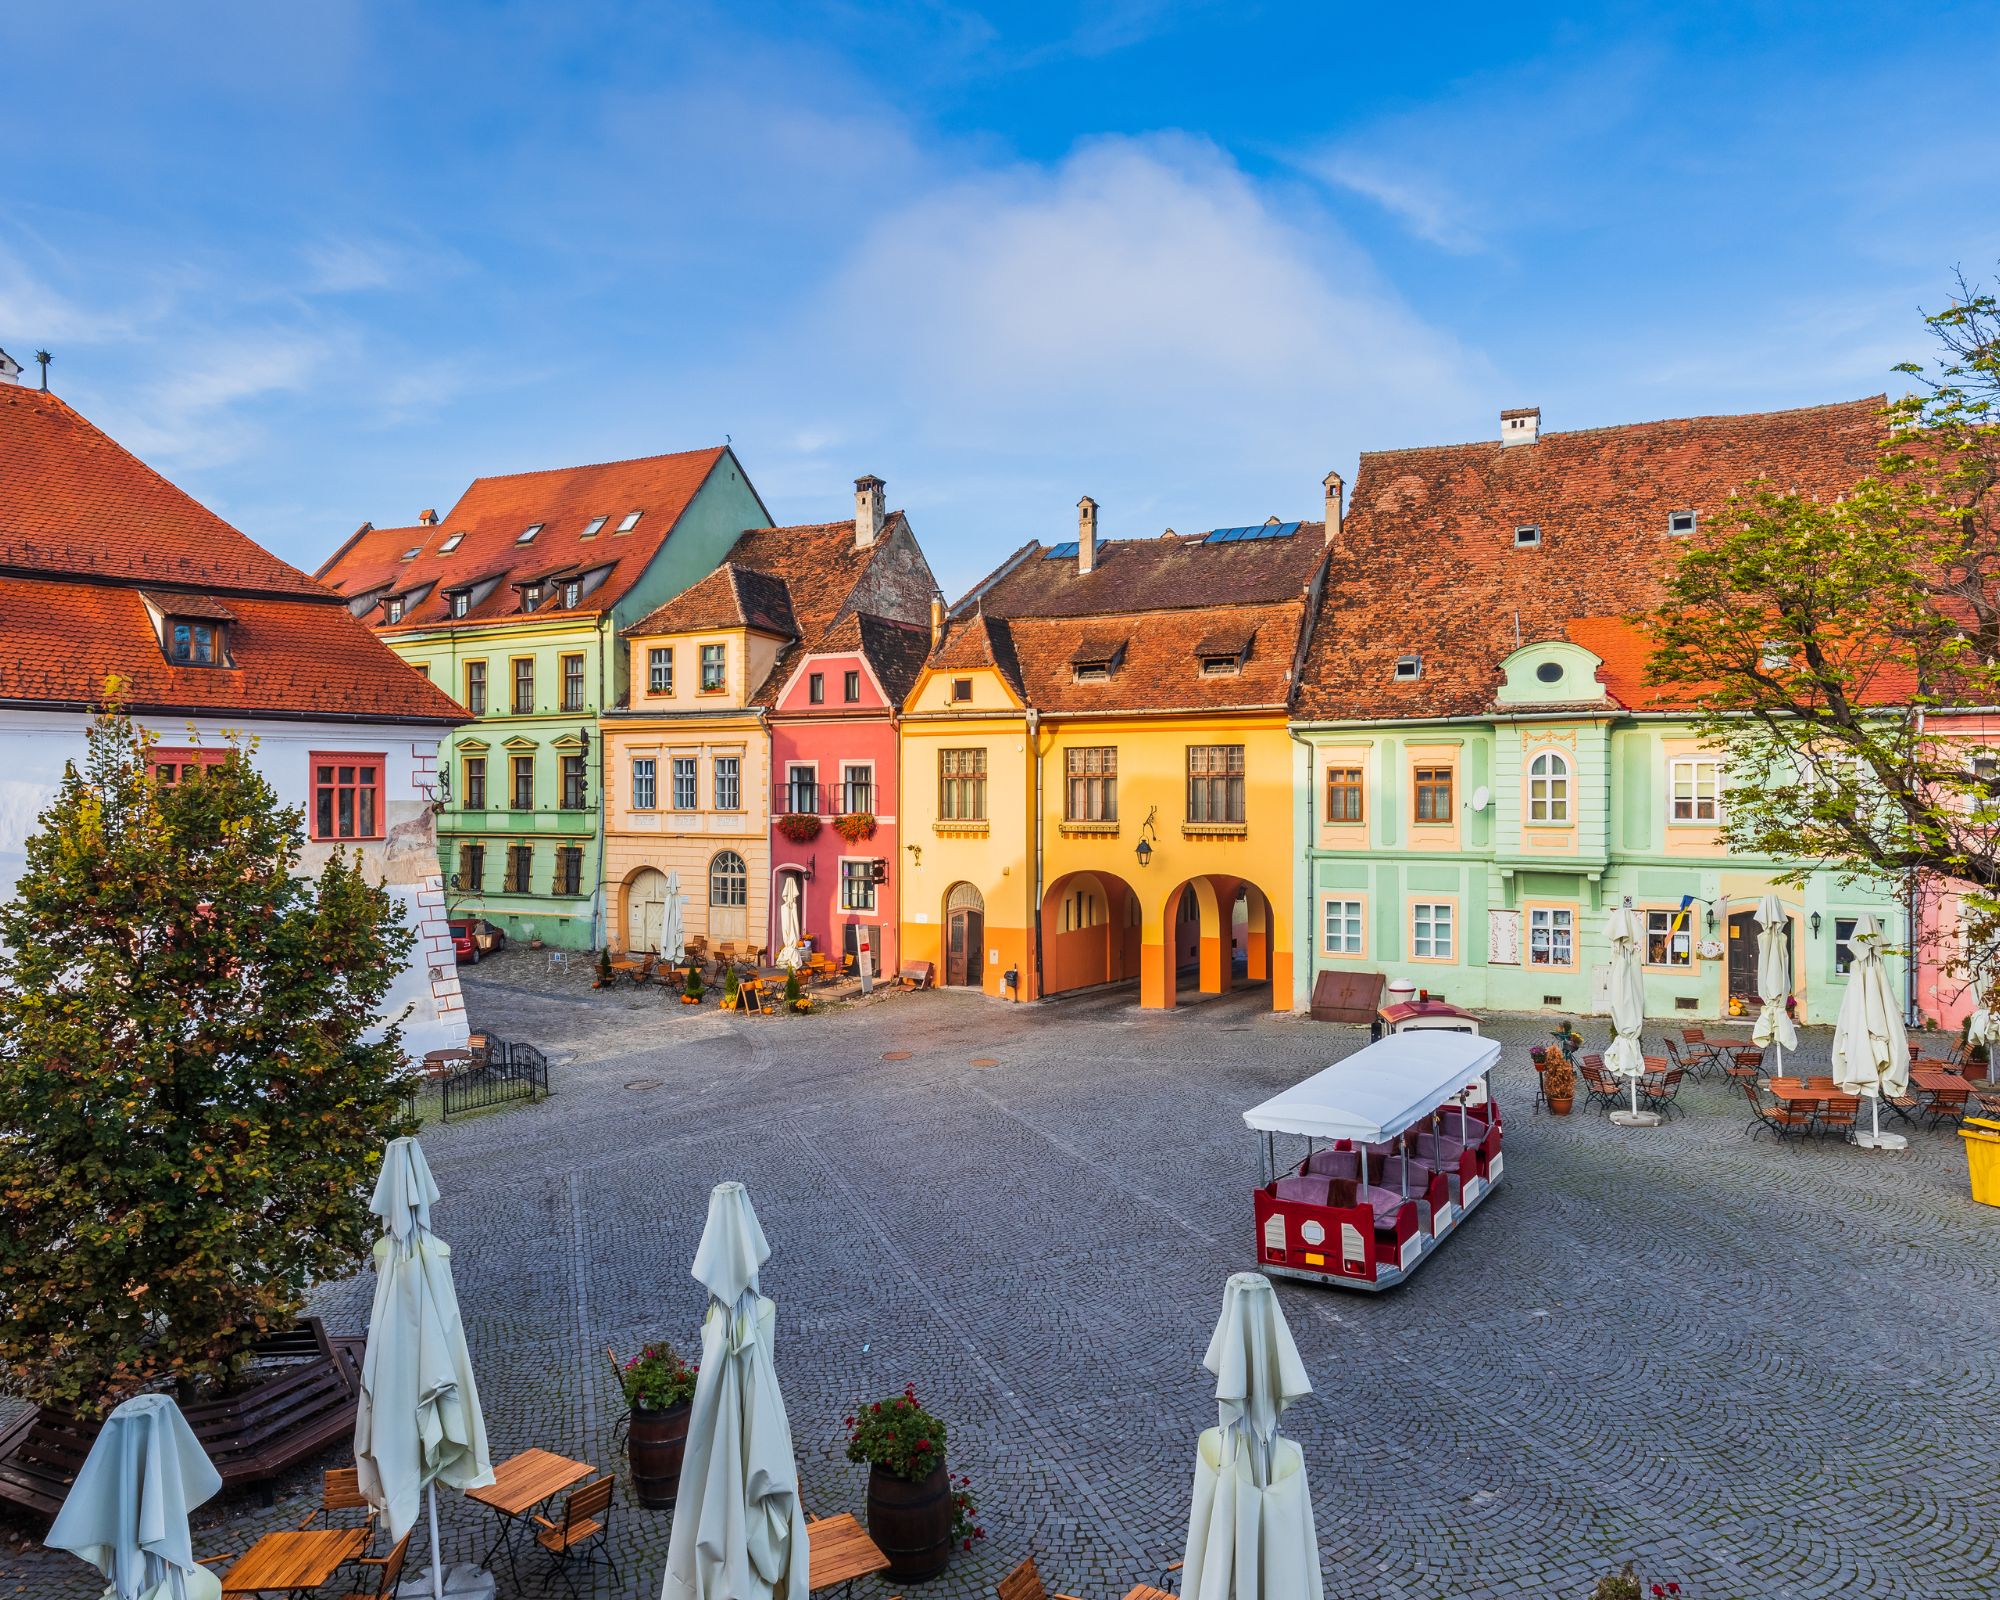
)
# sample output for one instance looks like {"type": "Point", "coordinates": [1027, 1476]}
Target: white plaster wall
{"type": "Point", "coordinates": [35, 745]}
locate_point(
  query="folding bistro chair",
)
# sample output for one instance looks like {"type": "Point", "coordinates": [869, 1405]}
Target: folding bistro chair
{"type": "Point", "coordinates": [1663, 1095]}
{"type": "Point", "coordinates": [583, 1533]}
{"type": "Point", "coordinates": [1747, 1067]}
{"type": "Point", "coordinates": [1025, 1583]}
{"type": "Point", "coordinates": [1779, 1118]}
{"type": "Point", "coordinates": [388, 1570]}
{"type": "Point", "coordinates": [1838, 1114]}
{"type": "Point", "coordinates": [341, 1491]}
{"type": "Point", "coordinates": [1949, 1105]}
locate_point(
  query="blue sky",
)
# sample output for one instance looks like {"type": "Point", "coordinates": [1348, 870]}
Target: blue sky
{"type": "Point", "coordinates": [321, 263]}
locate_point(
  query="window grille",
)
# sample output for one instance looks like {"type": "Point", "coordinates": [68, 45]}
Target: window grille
{"type": "Point", "coordinates": [1215, 783]}
{"type": "Point", "coordinates": [1093, 784]}
{"type": "Point", "coordinates": [962, 785]}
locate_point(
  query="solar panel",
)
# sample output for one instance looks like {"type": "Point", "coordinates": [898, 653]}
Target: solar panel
{"type": "Point", "coordinates": [1060, 550]}
{"type": "Point", "coordinates": [1265, 530]}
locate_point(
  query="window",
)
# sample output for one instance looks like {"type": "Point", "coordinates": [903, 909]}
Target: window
{"type": "Point", "coordinates": [660, 671]}
{"type": "Point", "coordinates": [524, 685]}
{"type": "Point", "coordinates": [181, 765]}
{"type": "Point", "coordinates": [520, 869]}
{"type": "Point", "coordinates": [524, 783]}
{"type": "Point", "coordinates": [961, 689]}
{"type": "Point", "coordinates": [423, 669]}
{"type": "Point", "coordinates": [684, 783]}
{"type": "Point", "coordinates": [347, 796]}
{"type": "Point", "coordinates": [198, 644]}
{"type": "Point", "coordinates": [392, 611]}
{"type": "Point", "coordinates": [644, 776]}
{"type": "Point", "coordinates": [1409, 666]}
{"type": "Point", "coordinates": [816, 688]}
{"type": "Point", "coordinates": [1430, 931]}
{"type": "Point", "coordinates": [475, 783]}
{"type": "Point", "coordinates": [450, 545]}
{"type": "Point", "coordinates": [1669, 939]}
{"type": "Point", "coordinates": [631, 521]}
{"type": "Point", "coordinates": [1694, 790]}
{"type": "Point", "coordinates": [475, 688]}
{"type": "Point", "coordinates": [1343, 794]}
{"type": "Point", "coordinates": [461, 602]}
{"type": "Point", "coordinates": [860, 789]}
{"type": "Point", "coordinates": [1093, 784]}
{"type": "Point", "coordinates": [962, 785]}
{"type": "Point", "coordinates": [1218, 666]}
{"type": "Point", "coordinates": [1527, 537]}
{"type": "Point", "coordinates": [528, 536]}
{"type": "Point", "coordinates": [575, 784]}
{"type": "Point", "coordinates": [1549, 672]}
{"type": "Point", "coordinates": [850, 688]}
{"type": "Point", "coordinates": [572, 670]}
{"type": "Point", "coordinates": [1843, 952]}
{"type": "Point", "coordinates": [728, 783]}
{"type": "Point", "coordinates": [711, 667]}
{"type": "Point", "coordinates": [1215, 783]}
{"type": "Point", "coordinates": [572, 592]}
{"type": "Point", "coordinates": [1680, 522]}
{"type": "Point", "coordinates": [1548, 788]}
{"type": "Point", "coordinates": [471, 868]}
{"type": "Point", "coordinates": [857, 886]}
{"type": "Point", "coordinates": [1774, 655]}
{"type": "Point", "coordinates": [595, 527]}
{"type": "Point", "coordinates": [1343, 928]}
{"type": "Point", "coordinates": [1433, 794]}
{"type": "Point", "coordinates": [569, 870]}
{"type": "Point", "coordinates": [1549, 935]}
{"type": "Point", "coordinates": [728, 880]}
{"type": "Point", "coordinates": [802, 792]}
{"type": "Point", "coordinates": [531, 596]}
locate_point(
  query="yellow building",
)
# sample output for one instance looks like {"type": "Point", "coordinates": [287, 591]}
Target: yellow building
{"type": "Point", "coordinates": [1098, 754]}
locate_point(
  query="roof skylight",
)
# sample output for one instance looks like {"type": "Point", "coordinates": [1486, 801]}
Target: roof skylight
{"type": "Point", "coordinates": [529, 536]}
{"type": "Point", "coordinates": [631, 521]}
{"type": "Point", "coordinates": [595, 524]}
{"type": "Point", "coordinates": [1409, 666]}
{"type": "Point", "coordinates": [450, 544]}
{"type": "Point", "coordinates": [413, 552]}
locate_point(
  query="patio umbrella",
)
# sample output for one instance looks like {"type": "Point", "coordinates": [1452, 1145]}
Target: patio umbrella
{"type": "Point", "coordinates": [419, 1421]}
{"type": "Point", "coordinates": [1627, 1056]}
{"type": "Point", "coordinates": [1774, 980]}
{"type": "Point", "coordinates": [1250, 1526]}
{"type": "Point", "coordinates": [127, 1512]}
{"type": "Point", "coordinates": [1984, 1026]}
{"type": "Point", "coordinates": [739, 1528]}
{"type": "Point", "coordinates": [673, 936]}
{"type": "Point", "coordinates": [788, 925]}
{"type": "Point", "coordinates": [1871, 1053]}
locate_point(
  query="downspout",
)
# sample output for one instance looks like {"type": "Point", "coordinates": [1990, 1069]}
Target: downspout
{"type": "Point", "coordinates": [1307, 929]}
{"type": "Point", "coordinates": [1035, 738]}
{"type": "Point", "coordinates": [600, 918]}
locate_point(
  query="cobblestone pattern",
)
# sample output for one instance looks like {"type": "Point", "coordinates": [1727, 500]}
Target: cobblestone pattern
{"type": "Point", "coordinates": [1757, 1369]}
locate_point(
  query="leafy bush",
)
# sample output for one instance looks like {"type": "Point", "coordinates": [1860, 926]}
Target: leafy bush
{"type": "Point", "coordinates": [965, 1512]}
{"type": "Point", "coordinates": [694, 986]}
{"type": "Point", "coordinates": [657, 1378]}
{"type": "Point", "coordinates": [899, 1436]}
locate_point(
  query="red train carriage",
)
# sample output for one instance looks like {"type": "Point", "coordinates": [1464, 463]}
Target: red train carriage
{"type": "Point", "coordinates": [1402, 1140]}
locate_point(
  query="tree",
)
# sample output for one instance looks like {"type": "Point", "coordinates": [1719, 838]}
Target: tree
{"type": "Point", "coordinates": [192, 1107]}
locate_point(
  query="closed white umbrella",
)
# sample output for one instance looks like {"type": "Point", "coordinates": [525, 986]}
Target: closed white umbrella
{"type": "Point", "coordinates": [1774, 981]}
{"type": "Point", "coordinates": [127, 1512]}
{"type": "Point", "coordinates": [1871, 1053]}
{"type": "Point", "coordinates": [1984, 1026]}
{"type": "Point", "coordinates": [739, 1528]}
{"type": "Point", "coordinates": [673, 935]}
{"type": "Point", "coordinates": [788, 925]}
{"type": "Point", "coordinates": [419, 1421]}
{"type": "Point", "coordinates": [1627, 1056]}
{"type": "Point", "coordinates": [1250, 1525]}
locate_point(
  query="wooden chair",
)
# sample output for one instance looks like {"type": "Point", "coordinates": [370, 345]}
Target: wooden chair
{"type": "Point", "coordinates": [584, 1531]}
{"type": "Point", "coordinates": [1839, 1113]}
{"type": "Point", "coordinates": [341, 1491]}
{"type": "Point", "coordinates": [1025, 1583]}
{"type": "Point", "coordinates": [1778, 1118]}
{"type": "Point", "coordinates": [389, 1570]}
{"type": "Point", "coordinates": [1663, 1094]}
{"type": "Point", "coordinates": [645, 971]}
{"type": "Point", "coordinates": [1949, 1105]}
{"type": "Point", "coordinates": [1746, 1067]}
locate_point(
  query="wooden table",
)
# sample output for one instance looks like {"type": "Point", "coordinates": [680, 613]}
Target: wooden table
{"type": "Point", "coordinates": [519, 1486]}
{"type": "Point", "coordinates": [288, 1562]}
{"type": "Point", "coordinates": [1936, 1078]}
{"type": "Point", "coordinates": [1145, 1591]}
{"type": "Point", "coordinates": [841, 1552]}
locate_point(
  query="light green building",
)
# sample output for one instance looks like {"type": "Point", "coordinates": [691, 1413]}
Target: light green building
{"type": "Point", "coordinates": [512, 603]}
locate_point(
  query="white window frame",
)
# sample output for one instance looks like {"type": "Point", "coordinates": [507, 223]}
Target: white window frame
{"type": "Point", "coordinates": [847, 783]}
{"type": "Point", "coordinates": [721, 665]}
{"type": "Point", "coordinates": [1555, 801]}
{"type": "Point", "coordinates": [693, 777]}
{"type": "Point", "coordinates": [1562, 921]}
{"type": "Point", "coordinates": [1448, 924]}
{"type": "Point", "coordinates": [658, 656]}
{"type": "Point", "coordinates": [645, 785]}
{"type": "Point", "coordinates": [1696, 763]}
{"type": "Point", "coordinates": [1685, 939]}
{"type": "Point", "coordinates": [715, 778]}
{"type": "Point", "coordinates": [863, 881]}
{"type": "Point", "coordinates": [1353, 916]}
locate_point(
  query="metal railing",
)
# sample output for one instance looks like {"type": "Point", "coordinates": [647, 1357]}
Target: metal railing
{"type": "Point", "coordinates": [825, 799]}
{"type": "Point", "coordinates": [509, 1072]}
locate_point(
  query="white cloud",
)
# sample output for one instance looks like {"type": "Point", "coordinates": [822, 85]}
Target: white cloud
{"type": "Point", "coordinates": [1424, 204]}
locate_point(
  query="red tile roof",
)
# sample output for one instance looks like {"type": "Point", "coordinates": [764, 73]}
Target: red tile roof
{"type": "Point", "coordinates": [90, 534]}
{"type": "Point", "coordinates": [1161, 666]}
{"type": "Point", "coordinates": [1429, 565]}
{"type": "Point", "coordinates": [729, 597]}
{"type": "Point", "coordinates": [980, 641]}
{"type": "Point", "coordinates": [492, 515]}
{"type": "Point", "coordinates": [1174, 572]}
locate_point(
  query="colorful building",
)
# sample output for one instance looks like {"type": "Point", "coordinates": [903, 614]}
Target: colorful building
{"type": "Point", "coordinates": [513, 602]}
{"type": "Point", "coordinates": [692, 789]}
{"type": "Point", "coordinates": [1097, 768]}
{"type": "Point", "coordinates": [1481, 773]}
{"type": "Point", "coordinates": [111, 570]}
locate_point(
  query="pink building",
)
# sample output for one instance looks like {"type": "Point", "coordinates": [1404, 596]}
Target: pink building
{"type": "Point", "coordinates": [834, 835]}
{"type": "Point", "coordinates": [1942, 993]}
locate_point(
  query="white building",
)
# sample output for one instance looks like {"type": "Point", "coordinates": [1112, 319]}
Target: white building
{"type": "Point", "coordinates": [106, 568]}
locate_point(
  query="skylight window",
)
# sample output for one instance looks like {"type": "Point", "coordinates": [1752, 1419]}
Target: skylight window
{"type": "Point", "coordinates": [1680, 522]}
{"type": "Point", "coordinates": [631, 521]}
{"type": "Point", "coordinates": [1409, 666]}
{"type": "Point", "coordinates": [596, 524]}
{"type": "Point", "coordinates": [529, 536]}
{"type": "Point", "coordinates": [413, 552]}
{"type": "Point", "coordinates": [1527, 537]}
{"type": "Point", "coordinates": [450, 544]}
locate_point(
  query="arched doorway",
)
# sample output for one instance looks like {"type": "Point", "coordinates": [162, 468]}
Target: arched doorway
{"type": "Point", "coordinates": [965, 937]}
{"type": "Point", "coordinates": [645, 910]}
{"type": "Point", "coordinates": [1218, 934]}
{"type": "Point", "coordinates": [728, 897]}
{"type": "Point", "coordinates": [1091, 931]}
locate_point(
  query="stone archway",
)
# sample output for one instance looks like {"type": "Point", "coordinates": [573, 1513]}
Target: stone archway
{"type": "Point", "coordinates": [1091, 931]}
{"type": "Point", "coordinates": [645, 909]}
{"type": "Point", "coordinates": [1217, 934]}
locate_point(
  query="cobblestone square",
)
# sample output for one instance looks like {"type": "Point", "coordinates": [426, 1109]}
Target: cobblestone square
{"type": "Point", "coordinates": [1755, 1369]}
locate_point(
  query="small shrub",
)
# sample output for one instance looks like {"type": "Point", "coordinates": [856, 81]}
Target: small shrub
{"type": "Point", "coordinates": [694, 987]}
{"type": "Point", "coordinates": [604, 967]}
{"type": "Point", "coordinates": [899, 1436]}
{"type": "Point", "coordinates": [1559, 1079]}
{"type": "Point", "coordinates": [657, 1378]}
{"type": "Point", "coordinates": [1619, 1586]}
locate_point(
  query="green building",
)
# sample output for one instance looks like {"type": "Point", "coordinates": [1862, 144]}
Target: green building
{"type": "Point", "coordinates": [512, 603]}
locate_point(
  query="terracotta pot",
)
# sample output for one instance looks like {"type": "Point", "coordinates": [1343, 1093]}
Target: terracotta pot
{"type": "Point", "coordinates": [911, 1523]}
{"type": "Point", "coordinates": [1561, 1107]}
{"type": "Point", "coordinates": [655, 1442]}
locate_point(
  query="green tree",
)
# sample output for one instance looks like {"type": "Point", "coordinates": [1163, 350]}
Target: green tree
{"type": "Point", "coordinates": [191, 1107]}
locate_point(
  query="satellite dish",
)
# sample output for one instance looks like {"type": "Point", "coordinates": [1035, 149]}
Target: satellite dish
{"type": "Point", "coordinates": [1481, 798]}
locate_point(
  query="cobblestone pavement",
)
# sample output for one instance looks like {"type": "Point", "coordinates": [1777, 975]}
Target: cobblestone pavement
{"type": "Point", "coordinates": [1756, 1369]}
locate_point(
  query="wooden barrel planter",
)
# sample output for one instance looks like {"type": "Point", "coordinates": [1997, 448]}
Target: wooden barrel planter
{"type": "Point", "coordinates": [655, 1441]}
{"type": "Point", "coordinates": [911, 1523]}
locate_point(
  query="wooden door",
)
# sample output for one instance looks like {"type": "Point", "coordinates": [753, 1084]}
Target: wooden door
{"type": "Point", "coordinates": [965, 949]}
{"type": "Point", "coordinates": [1743, 955]}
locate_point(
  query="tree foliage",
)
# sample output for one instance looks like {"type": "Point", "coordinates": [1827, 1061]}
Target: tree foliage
{"type": "Point", "coordinates": [191, 1107]}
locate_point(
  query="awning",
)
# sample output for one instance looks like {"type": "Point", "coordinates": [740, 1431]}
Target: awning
{"type": "Point", "coordinates": [1379, 1091]}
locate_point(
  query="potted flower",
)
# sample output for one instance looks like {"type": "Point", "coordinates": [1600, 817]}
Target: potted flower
{"type": "Point", "coordinates": [1559, 1084]}
{"type": "Point", "coordinates": [603, 978]}
{"type": "Point", "coordinates": [691, 992]}
{"type": "Point", "coordinates": [659, 1387]}
{"type": "Point", "coordinates": [801, 827]}
{"type": "Point", "coordinates": [913, 1513]}
{"type": "Point", "coordinates": [855, 826]}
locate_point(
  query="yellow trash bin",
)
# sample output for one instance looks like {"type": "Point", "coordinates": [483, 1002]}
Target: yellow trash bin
{"type": "Point", "coordinates": [1982, 1158]}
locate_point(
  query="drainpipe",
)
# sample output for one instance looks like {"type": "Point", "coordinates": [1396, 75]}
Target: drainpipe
{"type": "Point", "coordinates": [600, 930]}
{"type": "Point", "coordinates": [1035, 738]}
{"type": "Point", "coordinates": [1306, 930]}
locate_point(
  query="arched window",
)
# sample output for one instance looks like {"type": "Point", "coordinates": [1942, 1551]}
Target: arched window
{"type": "Point", "coordinates": [728, 880]}
{"type": "Point", "coordinates": [1548, 788]}
{"type": "Point", "coordinates": [964, 897]}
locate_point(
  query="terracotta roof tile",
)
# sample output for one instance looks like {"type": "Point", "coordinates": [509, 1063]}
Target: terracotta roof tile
{"type": "Point", "coordinates": [980, 641]}
{"type": "Point", "coordinates": [1161, 669]}
{"type": "Point", "coordinates": [1166, 574]}
{"type": "Point", "coordinates": [1429, 565]}
{"type": "Point", "coordinates": [729, 597]}
{"type": "Point", "coordinates": [895, 650]}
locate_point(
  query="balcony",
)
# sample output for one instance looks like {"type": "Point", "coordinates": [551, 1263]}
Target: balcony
{"type": "Point", "coordinates": [823, 799]}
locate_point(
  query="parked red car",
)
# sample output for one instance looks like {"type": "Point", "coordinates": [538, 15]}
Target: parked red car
{"type": "Point", "coordinates": [470, 936]}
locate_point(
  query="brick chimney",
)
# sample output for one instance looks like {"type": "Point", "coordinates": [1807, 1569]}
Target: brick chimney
{"type": "Point", "coordinates": [1334, 486]}
{"type": "Point", "coordinates": [1086, 535]}
{"type": "Point", "coordinates": [1522, 426]}
{"type": "Point", "coordinates": [868, 512]}
{"type": "Point", "coordinates": [427, 519]}
{"type": "Point", "coordinates": [937, 622]}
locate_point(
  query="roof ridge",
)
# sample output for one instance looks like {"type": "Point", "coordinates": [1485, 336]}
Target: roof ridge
{"type": "Point", "coordinates": [1876, 400]}
{"type": "Point", "coordinates": [583, 466]}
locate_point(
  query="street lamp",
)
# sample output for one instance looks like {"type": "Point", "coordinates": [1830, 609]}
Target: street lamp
{"type": "Point", "coordinates": [1144, 852]}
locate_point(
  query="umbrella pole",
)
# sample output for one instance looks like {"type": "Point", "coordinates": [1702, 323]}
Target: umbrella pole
{"type": "Point", "coordinates": [437, 1566]}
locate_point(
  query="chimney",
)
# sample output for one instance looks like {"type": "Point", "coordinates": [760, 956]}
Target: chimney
{"type": "Point", "coordinates": [1086, 535]}
{"type": "Point", "coordinates": [427, 519]}
{"type": "Point", "coordinates": [1520, 427]}
{"type": "Point", "coordinates": [10, 369]}
{"type": "Point", "coordinates": [867, 512]}
{"type": "Point", "coordinates": [937, 622]}
{"type": "Point", "coordinates": [1333, 484]}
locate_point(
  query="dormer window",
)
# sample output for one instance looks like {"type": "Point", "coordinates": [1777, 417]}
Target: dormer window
{"type": "Point", "coordinates": [1220, 666]}
{"type": "Point", "coordinates": [450, 544]}
{"type": "Point", "coordinates": [572, 592]}
{"type": "Point", "coordinates": [461, 602]}
{"type": "Point", "coordinates": [531, 596]}
{"type": "Point", "coordinates": [1096, 657]}
{"type": "Point", "coordinates": [631, 521]}
{"type": "Point", "coordinates": [528, 535]}
{"type": "Point", "coordinates": [197, 644]}
{"type": "Point", "coordinates": [1222, 653]}
{"type": "Point", "coordinates": [392, 610]}
{"type": "Point", "coordinates": [596, 527]}
{"type": "Point", "coordinates": [1409, 667]}
{"type": "Point", "coordinates": [1093, 671]}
